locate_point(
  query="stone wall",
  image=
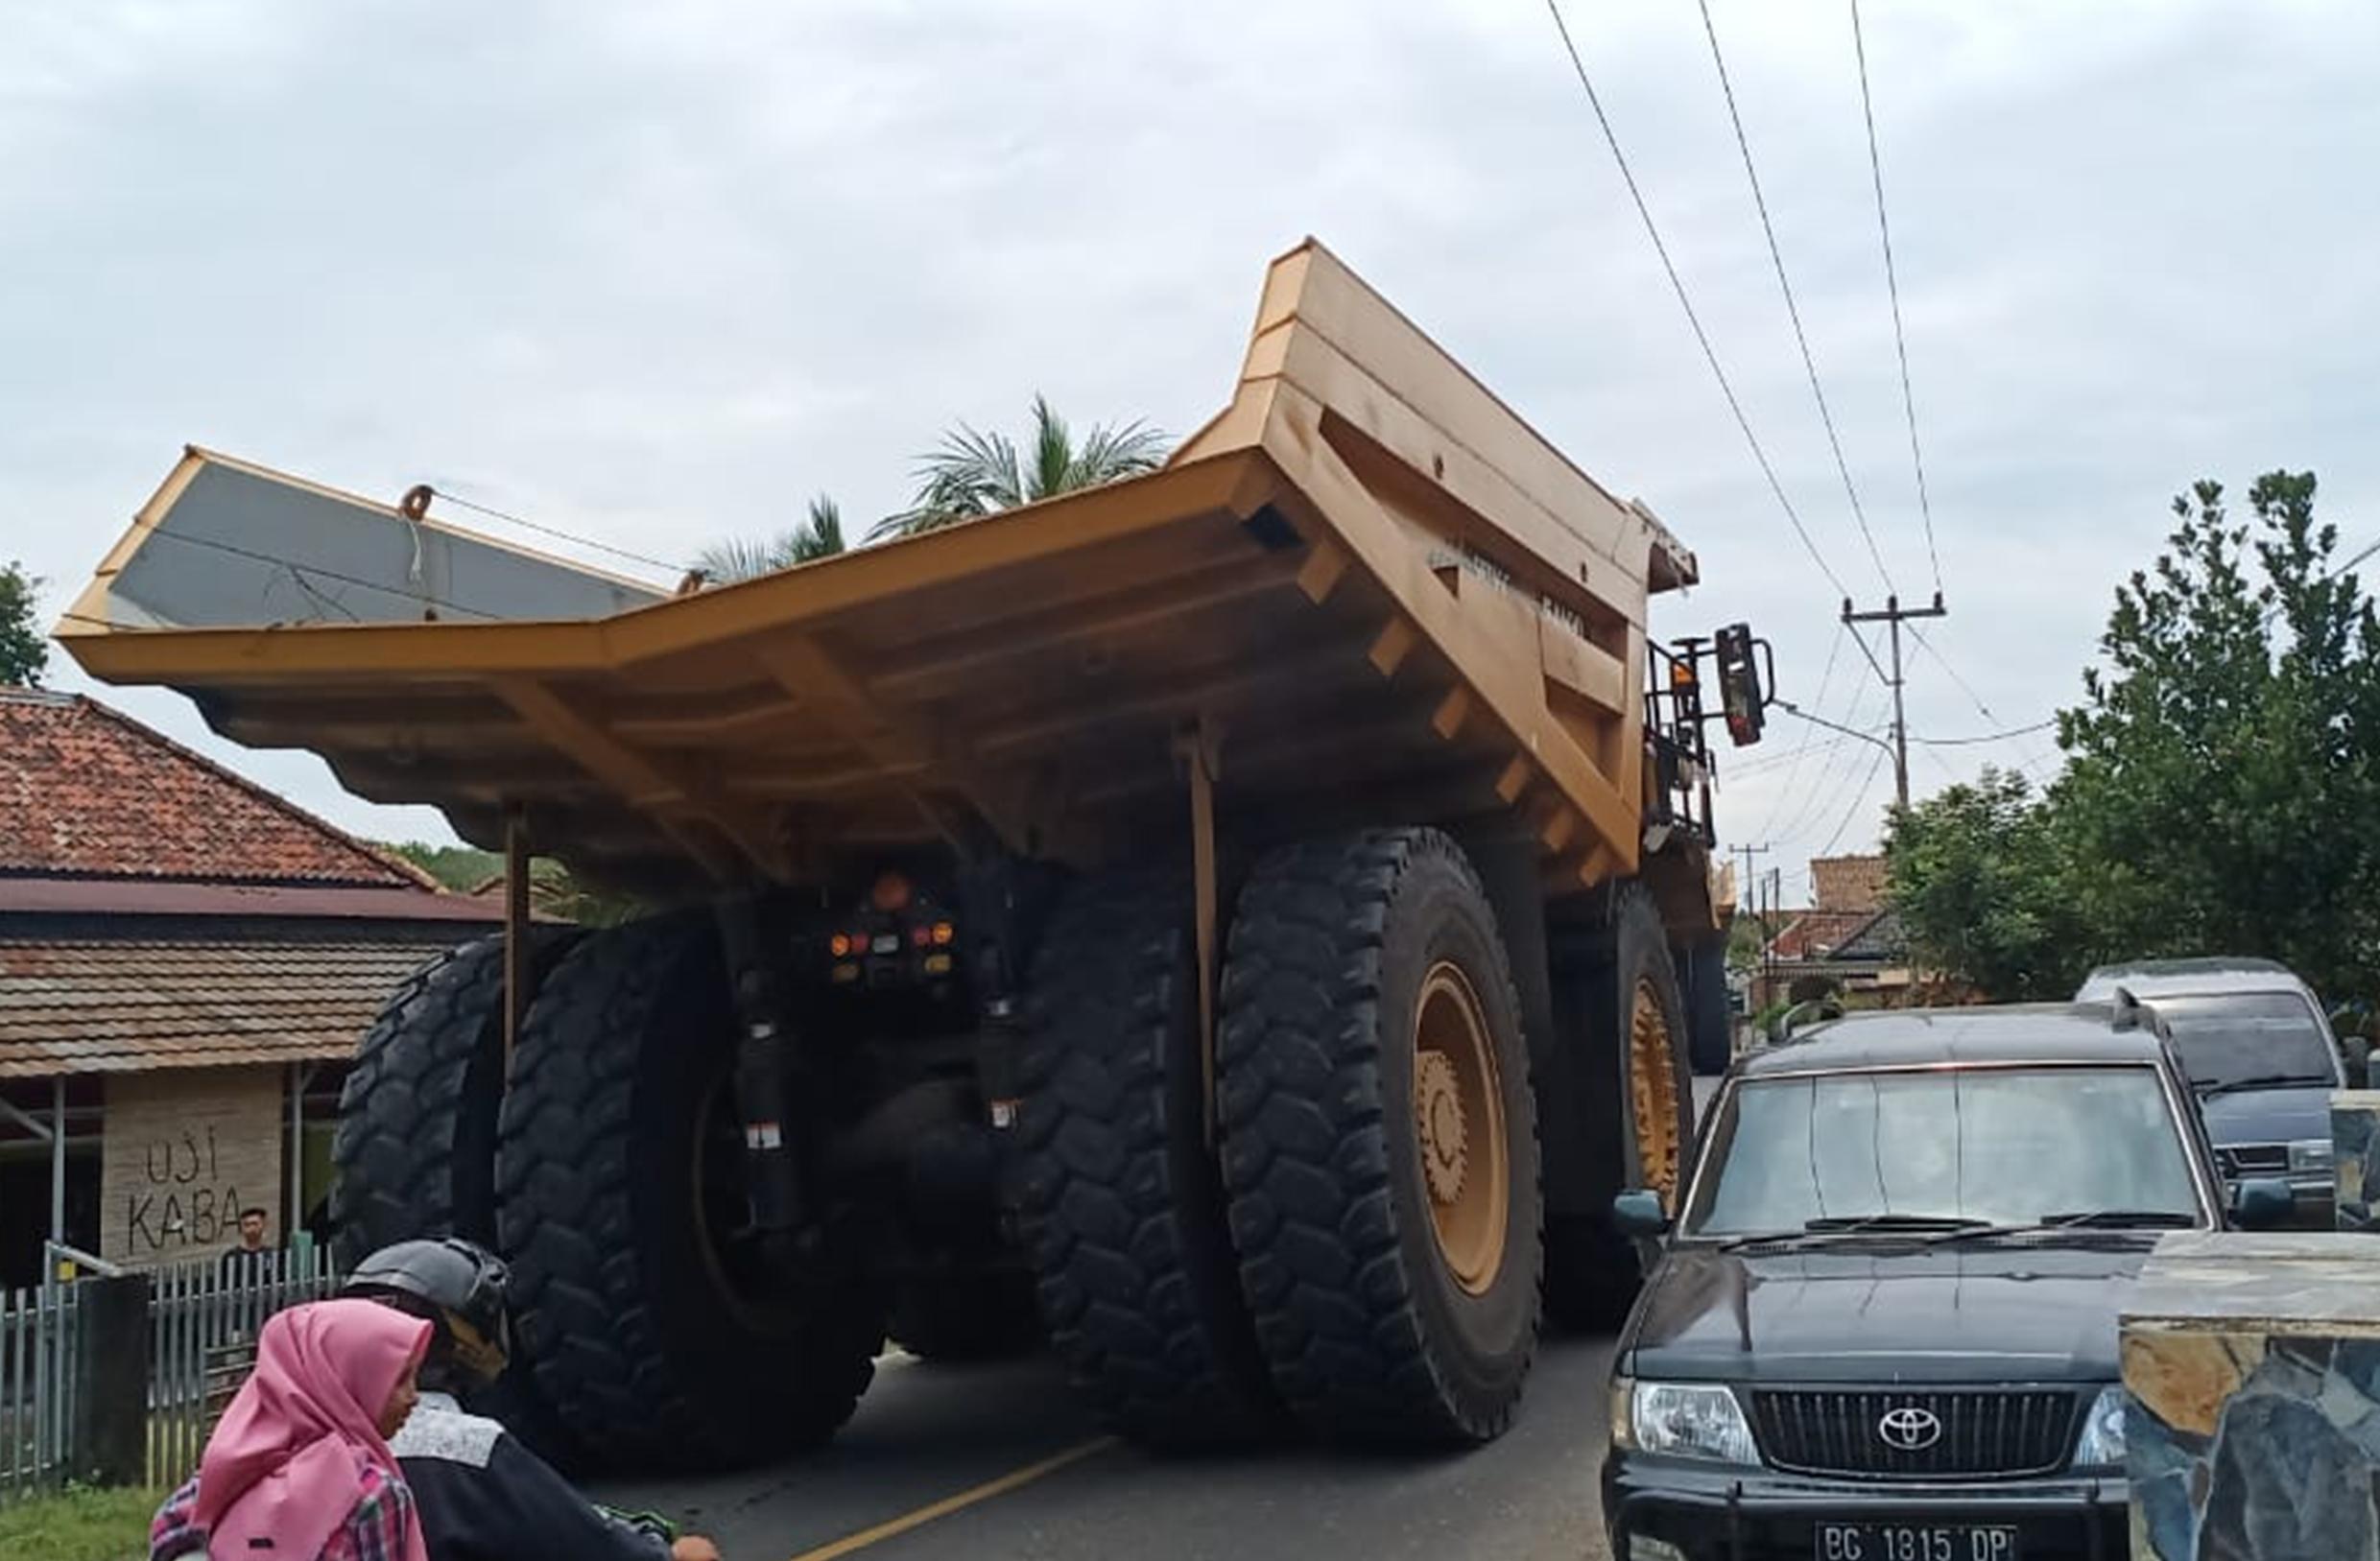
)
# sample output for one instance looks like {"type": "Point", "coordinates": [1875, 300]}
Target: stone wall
{"type": "Point", "coordinates": [2355, 1144]}
{"type": "Point", "coordinates": [182, 1152]}
{"type": "Point", "coordinates": [2252, 1365]}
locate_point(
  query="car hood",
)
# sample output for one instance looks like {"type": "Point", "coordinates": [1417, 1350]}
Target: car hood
{"type": "Point", "coordinates": [1997, 1311]}
{"type": "Point", "coordinates": [2271, 1115]}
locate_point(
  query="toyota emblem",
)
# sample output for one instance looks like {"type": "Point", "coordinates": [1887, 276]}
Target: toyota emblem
{"type": "Point", "coordinates": [1910, 1429]}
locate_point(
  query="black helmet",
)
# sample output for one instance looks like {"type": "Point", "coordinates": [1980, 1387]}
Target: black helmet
{"type": "Point", "coordinates": [458, 1285]}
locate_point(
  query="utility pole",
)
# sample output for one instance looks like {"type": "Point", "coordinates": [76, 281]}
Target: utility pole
{"type": "Point", "coordinates": [1894, 615]}
{"type": "Point", "coordinates": [1749, 893]}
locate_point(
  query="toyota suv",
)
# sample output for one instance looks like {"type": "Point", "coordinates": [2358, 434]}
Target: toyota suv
{"type": "Point", "coordinates": [1882, 1325]}
{"type": "Point", "coordinates": [2260, 1056]}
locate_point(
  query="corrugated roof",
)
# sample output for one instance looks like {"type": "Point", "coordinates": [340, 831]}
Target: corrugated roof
{"type": "Point", "coordinates": [87, 791]}
{"type": "Point", "coordinates": [88, 1005]}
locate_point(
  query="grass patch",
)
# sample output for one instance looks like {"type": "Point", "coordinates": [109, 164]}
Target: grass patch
{"type": "Point", "coordinates": [80, 1524]}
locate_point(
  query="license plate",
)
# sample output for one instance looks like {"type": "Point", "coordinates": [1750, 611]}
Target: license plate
{"type": "Point", "coordinates": [1914, 1542]}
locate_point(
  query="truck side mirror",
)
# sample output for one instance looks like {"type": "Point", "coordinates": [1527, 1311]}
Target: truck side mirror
{"type": "Point", "coordinates": [2262, 1203]}
{"type": "Point", "coordinates": [1743, 691]}
{"type": "Point", "coordinates": [1638, 1212]}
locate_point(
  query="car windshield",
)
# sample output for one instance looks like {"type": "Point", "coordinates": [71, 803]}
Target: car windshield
{"type": "Point", "coordinates": [2006, 1146]}
{"type": "Point", "coordinates": [2247, 1038]}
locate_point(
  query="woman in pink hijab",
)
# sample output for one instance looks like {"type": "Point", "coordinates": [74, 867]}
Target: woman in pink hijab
{"type": "Point", "coordinates": [300, 1467]}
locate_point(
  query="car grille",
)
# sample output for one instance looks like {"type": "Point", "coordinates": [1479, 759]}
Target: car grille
{"type": "Point", "coordinates": [1983, 1433]}
{"type": "Point", "coordinates": [2254, 1159]}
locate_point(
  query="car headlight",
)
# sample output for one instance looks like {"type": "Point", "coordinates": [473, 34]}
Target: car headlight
{"type": "Point", "coordinates": [2310, 1156]}
{"type": "Point", "coordinates": [1686, 1420]}
{"type": "Point", "coordinates": [2102, 1446]}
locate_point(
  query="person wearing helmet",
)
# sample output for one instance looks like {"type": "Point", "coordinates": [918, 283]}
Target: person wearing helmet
{"type": "Point", "coordinates": [482, 1495]}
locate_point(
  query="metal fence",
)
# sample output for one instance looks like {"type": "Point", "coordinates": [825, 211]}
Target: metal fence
{"type": "Point", "coordinates": [202, 1322]}
{"type": "Point", "coordinates": [38, 1355]}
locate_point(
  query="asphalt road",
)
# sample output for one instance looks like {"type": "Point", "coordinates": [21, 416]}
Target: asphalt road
{"type": "Point", "coordinates": [944, 1462]}
{"type": "Point", "coordinates": [998, 1462]}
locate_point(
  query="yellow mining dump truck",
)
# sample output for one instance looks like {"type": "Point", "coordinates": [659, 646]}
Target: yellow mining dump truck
{"type": "Point", "coordinates": [1246, 920]}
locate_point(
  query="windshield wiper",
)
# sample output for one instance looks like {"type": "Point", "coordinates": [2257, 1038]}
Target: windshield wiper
{"type": "Point", "coordinates": [2261, 1081]}
{"type": "Point", "coordinates": [2120, 1219]}
{"type": "Point", "coordinates": [1854, 1224]}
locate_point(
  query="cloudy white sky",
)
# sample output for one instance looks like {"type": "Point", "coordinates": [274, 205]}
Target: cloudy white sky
{"type": "Point", "coordinates": [656, 274]}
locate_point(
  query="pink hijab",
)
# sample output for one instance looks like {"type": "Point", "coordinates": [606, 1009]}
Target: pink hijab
{"type": "Point", "coordinates": [285, 1462]}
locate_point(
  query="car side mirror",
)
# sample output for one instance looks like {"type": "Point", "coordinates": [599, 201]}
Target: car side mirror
{"type": "Point", "coordinates": [2262, 1203]}
{"type": "Point", "coordinates": [1638, 1212]}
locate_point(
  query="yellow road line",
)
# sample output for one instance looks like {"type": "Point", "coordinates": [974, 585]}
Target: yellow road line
{"type": "Point", "coordinates": [964, 1499]}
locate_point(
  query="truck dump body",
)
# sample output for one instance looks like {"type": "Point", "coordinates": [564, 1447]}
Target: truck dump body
{"type": "Point", "coordinates": [1375, 590]}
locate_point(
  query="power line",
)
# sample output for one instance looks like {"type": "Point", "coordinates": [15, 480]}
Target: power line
{"type": "Point", "coordinates": [300, 571]}
{"type": "Point", "coordinates": [1987, 737]}
{"type": "Point", "coordinates": [1866, 784]}
{"type": "Point", "coordinates": [1793, 310]}
{"type": "Point", "coordinates": [557, 531]}
{"type": "Point", "coordinates": [1710, 354]}
{"type": "Point", "coordinates": [1823, 789]}
{"type": "Point", "coordinates": [1892, 286]}
{"type": "Point", "coordinates": [1834, 649]}
{"type": "Point", "coordinates": [1968, 689]}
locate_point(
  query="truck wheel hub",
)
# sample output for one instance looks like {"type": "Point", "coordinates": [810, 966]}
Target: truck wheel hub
{"type": "Point", "coordinates": [1438, 1105]}
{"type": "Point", "coordinates": [1459, 1127]}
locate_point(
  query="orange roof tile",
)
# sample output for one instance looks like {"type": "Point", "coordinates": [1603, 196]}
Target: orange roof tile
{"type": "Point", "coordinates": [89, 792]}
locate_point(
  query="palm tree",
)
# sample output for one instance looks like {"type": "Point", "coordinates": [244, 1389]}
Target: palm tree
{"type": "Point", "coordinates": [744, 557]}
{"type": "Point", "coordinates": [973, 473]}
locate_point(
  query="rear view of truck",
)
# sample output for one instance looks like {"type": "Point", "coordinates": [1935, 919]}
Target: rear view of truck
{"type": "Point", "coordinates": [1245, 921]}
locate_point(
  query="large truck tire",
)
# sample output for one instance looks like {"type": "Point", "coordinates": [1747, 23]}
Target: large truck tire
{"type": "Point", "coordinates": [960, 1320]}
{"type": "Point", "coordinates": [664, 1340]}
{"type": "Point", "coordinates": [1379, 1140]}
{"type": "Point", "coordinates": [1702, 967]}
{"type": "Point", "coordinates": [1636, 1039]}
{"type": "Point", "coordinates": [415, 1145]}
{"type": "Point", "coordinates": [1119, 1198]}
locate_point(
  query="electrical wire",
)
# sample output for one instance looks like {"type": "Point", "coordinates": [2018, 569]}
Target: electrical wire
{"type": "Point", "coordinates": [1710, 354]}
{"type": "Point", "coordinates": [1986, 737]}
{"type": "Point", "coordinates": [316, 569]}
{"type": "Point", "coordinates": [1823, 788]}
{"type": "Point", "coordinates": [1793, 309]}
{"type": "Point", "coordinates": [1834, 650]}
{"type": "Point", "coordinates": [558, 532]}
{"type": "Point", "coordinates": [1893, 288]}
{"type": "Point", "coordinates": [1867, 785]}
{"type": "Point", "coordinates": [1974, 699]}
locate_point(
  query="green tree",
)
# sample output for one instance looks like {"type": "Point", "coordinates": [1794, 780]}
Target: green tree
{"type": "Point", "coordinates": [24, 653]}
{"type": "Point", "coordinates": [972, 473]}
{"type": "Point", "coordinates": [461, 869]}
{"type": "Point", "coordinates": [2223, 790]}
{"type": "Point", "coordinates": [738, 558]}
{"type": "Point", "coordinates": [1982, 892]}
{"type": "Point", "coordinates": [553, 890]}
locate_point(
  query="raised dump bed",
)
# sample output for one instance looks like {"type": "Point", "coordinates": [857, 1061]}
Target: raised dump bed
{"type": "Point", "coordinates": [1364, 629]}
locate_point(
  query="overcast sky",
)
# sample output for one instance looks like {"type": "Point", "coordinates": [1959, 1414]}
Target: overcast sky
{"type": "Point", "coordinates": [657, 273]}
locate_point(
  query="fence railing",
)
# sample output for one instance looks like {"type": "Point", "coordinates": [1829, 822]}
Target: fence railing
{"type": "Point", "coordinates": [201, 1326]}
{"type": "Point", "coordinates": [38, 1379]}
{"type": "Point", "coordinates": [202, 1322]}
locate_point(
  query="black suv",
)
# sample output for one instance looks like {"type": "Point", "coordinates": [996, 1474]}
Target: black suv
{"type": "Point", "coordinates": [1884, 1328]}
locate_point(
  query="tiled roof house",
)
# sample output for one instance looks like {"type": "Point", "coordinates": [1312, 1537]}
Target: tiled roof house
{"type": "Point", "coordinates": [187, 961]}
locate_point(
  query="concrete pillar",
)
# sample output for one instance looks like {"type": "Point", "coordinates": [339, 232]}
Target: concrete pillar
{"type": "Point", "coordinates": [2251, 1369]}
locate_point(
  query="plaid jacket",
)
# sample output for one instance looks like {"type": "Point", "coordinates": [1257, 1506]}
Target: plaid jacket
{"type": "Point", "coordinates": [374, 1530]}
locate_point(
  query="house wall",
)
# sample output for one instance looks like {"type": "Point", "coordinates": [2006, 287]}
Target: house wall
{"type": "Point", "coordinates": [182, 1152]}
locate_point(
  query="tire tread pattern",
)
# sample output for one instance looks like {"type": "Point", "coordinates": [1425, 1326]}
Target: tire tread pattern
{"type": "Point", "coordinates": [1306, 1149]}
{"type": "Point", "coordinates": [1138, 1285]}
{"type": "Point", "coordinates": [564, 1196]}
